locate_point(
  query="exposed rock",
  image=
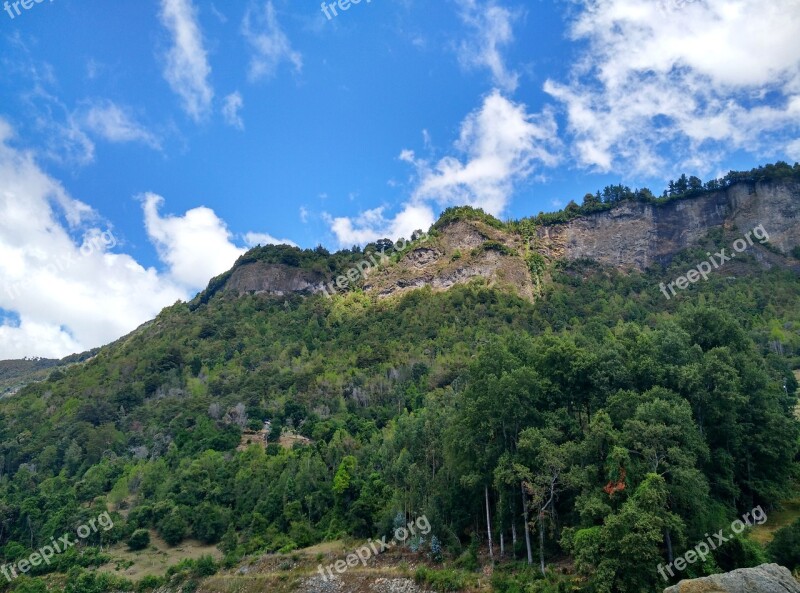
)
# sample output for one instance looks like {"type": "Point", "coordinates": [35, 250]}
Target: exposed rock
{"type": "Point", "coordinates": [273, 279]}
{"type": "Point", "coordinates": [636, 235]}
{"type": "Point", "coordinates": [633, 235]}
{"type": "Point", "coordinates": [456, 258]}
{"type": "Point", "coordinates": [360, 583]}
{"type": "Point", "coordinates": [767, 578]}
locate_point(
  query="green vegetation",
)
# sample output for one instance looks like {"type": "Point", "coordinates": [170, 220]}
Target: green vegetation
{"type": "Point", "coordinates": [684, 188]}
{"type": "Point", "coordinates": [458, 213]}
{"type": "Point", "coordinates": [785, 547]}
{"type": "Point", "coordinates": [615, 420]}
{"type": "Point", "coordinates": [493, 246]}
{"type": "Point", "coordinates": [139, 539]}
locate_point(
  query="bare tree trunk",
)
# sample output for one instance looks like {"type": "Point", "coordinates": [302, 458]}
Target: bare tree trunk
{"type": "Point", "coordinates": [502, 544]}
{"type": "Point", "coordinates": [527, 526]}
{"type": "Point", "coordinates": [541, 542]}
{"type": "Point", "coordinates": [488, 521]}
{"type": "Point", "coordinates": [668, 539]}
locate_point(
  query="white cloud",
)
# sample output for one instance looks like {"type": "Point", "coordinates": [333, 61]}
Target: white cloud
{"type": "Point", "coordinates": [373, 225]}
{"type": "Point", "coordinates": [500, 146]}
{"type": "Point", "coordinates": [186, 68]}
{"type": "Point", "coordinates": [116, 124]}
{"type": "Point", "coordinates": [303, 214]}
{"type": "Point", "coordinates": [195, 246]}
{"type": "Point", "coordinates": [69, 294]}
{"type": "Point", "coordinates": [492, 28]}
{"type": "Point", "coordinates": [66, 286]}
{"type": "Point", "coordinates": [661, 85]}
{"type": "Point", "coordinates": [269, 42]}
{"type": "Point", "coordinates": [230, 110]}
{"type": "Point", "coordinates": [254, 239]}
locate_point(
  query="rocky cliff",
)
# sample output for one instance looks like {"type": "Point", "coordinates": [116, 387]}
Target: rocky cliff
{"type": "Point", "coordinates": [632, 236]}
{"type": "Point", "coordinates": [637, 235]}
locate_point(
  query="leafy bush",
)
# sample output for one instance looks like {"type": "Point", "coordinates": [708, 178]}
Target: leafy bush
{"type": "Point", "coordinates": [173, 529]}
{"type": "Point", "coordinates": [493, 246]}
{"type": "Point", "coordinates": [456, 213]}
{"type": "Point", "coordinates": [739, 552]}
{"type": "Point", "coordinates": [785, 547]}
{"type": "Point", "coordinates": [150, 583]}
{"type": "Point", "coordinates": [139, 539]}
{"type": "Point", "coordinates": [442, 580]}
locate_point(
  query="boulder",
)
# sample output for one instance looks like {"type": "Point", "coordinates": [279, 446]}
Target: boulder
{"type": "Point", "coordinates": [767, 578]}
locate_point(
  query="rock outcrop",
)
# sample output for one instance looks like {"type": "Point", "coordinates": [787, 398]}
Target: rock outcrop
{"type": "Point", "coordinates": [272, 279]}
{"type": "Point", "coordinates": [632, 236]}
{"type": "Point", "coordinates": [767, 578]}
{"type": "Point", "coordinates": [636, 235]}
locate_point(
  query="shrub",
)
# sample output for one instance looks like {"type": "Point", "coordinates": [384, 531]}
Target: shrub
{"type": "Point", "coordinates": [436, 549]}
{"type": "Point", "coordinates": [150, 583]}
{"type": "Point", "coordinates": [739, 552]}
{"type": "Point", "coordinates": [205, 566]}
{"type": "Point", "coordinates": [173, 529]}
{"type": "Point", "coordinates": [139, 539]}
{"type": "Point", "coordinates": [785, 547]}
{"type": "Point", "coordinates": [441, 580]}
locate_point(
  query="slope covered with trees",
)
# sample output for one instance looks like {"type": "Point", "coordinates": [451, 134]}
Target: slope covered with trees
{"type": "Point", "coordinates": [602, 426]}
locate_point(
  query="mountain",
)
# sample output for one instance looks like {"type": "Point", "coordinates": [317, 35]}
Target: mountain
{"type": "Point", "coordinates": [541, 394]}
{"type": "Point", "coordinates": [632, 235]}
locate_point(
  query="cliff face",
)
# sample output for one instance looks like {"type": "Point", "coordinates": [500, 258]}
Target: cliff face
{"type": "Point", "coordinates": [456, 256]}
{"type": "Point", "coordinates": [636, 235]}
{"type": "Point", "coordinates": [272, 279]}
{"type": "Point", "coordinates": [632, 236]}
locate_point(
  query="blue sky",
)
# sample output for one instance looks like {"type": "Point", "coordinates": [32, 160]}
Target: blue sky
{"type": "Point", "coordinates": [145, 144]}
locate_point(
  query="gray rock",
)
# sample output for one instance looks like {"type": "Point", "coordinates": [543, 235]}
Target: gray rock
{"type": "Point", "coordinates": [767, 578]}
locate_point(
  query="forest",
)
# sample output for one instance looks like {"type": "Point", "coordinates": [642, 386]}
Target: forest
{"type": "Point", "coordinates": [601, 426]}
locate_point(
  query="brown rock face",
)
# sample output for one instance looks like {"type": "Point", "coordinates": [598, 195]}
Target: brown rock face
{"type": "Point", "coordinates": [272, 279]}
{"type": "Point", "coordinates": [638, 235]}
{"type": "Point", "coordinates": [455, 257]}
{"type": "Point", "coordinates": [767, 578]}
{"type": "Point", "coordinates": [632, 236]}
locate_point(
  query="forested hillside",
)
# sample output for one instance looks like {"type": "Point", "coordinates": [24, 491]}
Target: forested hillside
{"type": "Point", "coordinates": [599, 428]}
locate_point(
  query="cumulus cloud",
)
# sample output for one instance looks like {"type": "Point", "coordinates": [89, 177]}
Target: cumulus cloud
{"type": "Point", "coordinates": [372, 225]}
{"type": "Point", "coordinates": [68, 290]}
{"type": "Point", "coordinates": [500, 146]}
{"type": "Point", "coordinates": [492, 28]}
{"type": "Point", "coordinates": [186, 64]}
{"type": "Point", "coordinates": [195, 246]}
{"type": "Point", "coordinates": [254, 239]}
{"type": "Point", "coordinates": [230, 110]}
{"type": "Point", "coordinates": [682, 85]}
{"type": "Point", "coordinates": [116, 124]}
{"type": "Point", "coordinates": [269, 42]}
{"type": "Point", "coordinates": [65, 283]}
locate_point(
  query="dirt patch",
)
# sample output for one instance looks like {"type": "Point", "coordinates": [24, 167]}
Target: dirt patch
{"type": "Point", "coordinates": [156, 559]}
{"type": "Point", "coordinates": [764, 534]}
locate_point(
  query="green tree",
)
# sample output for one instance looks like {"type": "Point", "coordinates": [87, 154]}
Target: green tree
{"type": "Point", "coordinates": [139, 539]}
